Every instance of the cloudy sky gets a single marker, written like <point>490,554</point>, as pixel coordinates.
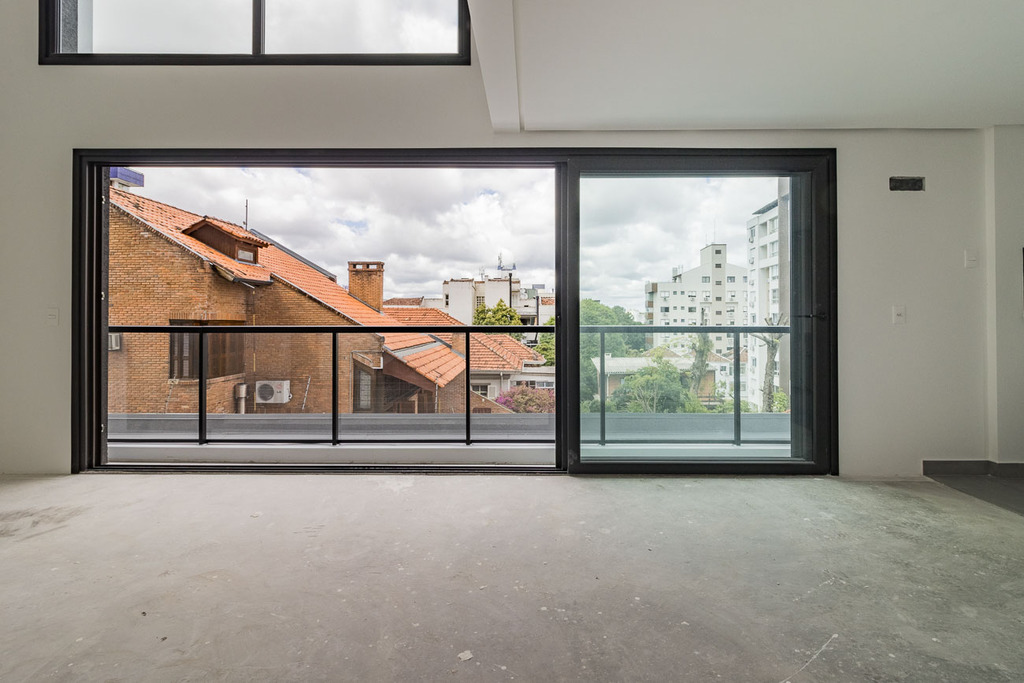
<point>431,224</point>
<point>225,26</point>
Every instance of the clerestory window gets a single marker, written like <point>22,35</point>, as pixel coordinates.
<point>370,32</point>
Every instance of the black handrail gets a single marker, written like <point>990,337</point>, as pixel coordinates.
<point>201,331</point>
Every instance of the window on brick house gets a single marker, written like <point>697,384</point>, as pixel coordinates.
<point>224,351</point>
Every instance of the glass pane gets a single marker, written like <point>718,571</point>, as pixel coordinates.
<point>157,26</point>
<point>689,263</point>
<point>360,27</point>
<point>513,387</point>
<point>452,245</point>
<point>143,401</point>
<point>269,387</point>
<point>401,387</point>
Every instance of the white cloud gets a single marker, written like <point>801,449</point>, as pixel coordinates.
<point>432,224</point>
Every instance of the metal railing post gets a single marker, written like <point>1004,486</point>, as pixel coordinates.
<point>334,388</point>
<point>737,423</point>
<point>469,406</point>
<point>203,360</point>
<point>603,389</point>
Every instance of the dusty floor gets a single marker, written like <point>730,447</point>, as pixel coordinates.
<point>548,578</point>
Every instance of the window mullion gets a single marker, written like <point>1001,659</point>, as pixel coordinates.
<point>259,16</point>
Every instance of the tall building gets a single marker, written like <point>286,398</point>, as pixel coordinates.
<point>768,288</point>
<point>714,293</point>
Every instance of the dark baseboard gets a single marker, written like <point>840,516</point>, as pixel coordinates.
<point>952,468</point>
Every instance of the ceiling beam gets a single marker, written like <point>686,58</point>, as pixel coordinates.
<point>494,33</point>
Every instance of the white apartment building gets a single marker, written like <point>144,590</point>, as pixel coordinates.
<point>768,288</point>
<point>714,293</point>
<point>462,296</point>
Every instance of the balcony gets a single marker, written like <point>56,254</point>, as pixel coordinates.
<point>336,394</point>
<point>649,405</point>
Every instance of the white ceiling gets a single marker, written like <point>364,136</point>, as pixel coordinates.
<point>745,64</point>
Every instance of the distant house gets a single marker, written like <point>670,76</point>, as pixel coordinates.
<point>617,369</point>
<point>497,361</point>
<point>171,266</point>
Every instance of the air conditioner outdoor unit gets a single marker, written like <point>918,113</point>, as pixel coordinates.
<point>273,391</point>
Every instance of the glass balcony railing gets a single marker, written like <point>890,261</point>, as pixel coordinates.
<point>684,385</point>
<point>328,385</point>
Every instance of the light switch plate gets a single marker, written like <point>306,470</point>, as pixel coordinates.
<point>899,314</point>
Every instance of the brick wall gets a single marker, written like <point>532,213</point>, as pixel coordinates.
<point>153,281</point>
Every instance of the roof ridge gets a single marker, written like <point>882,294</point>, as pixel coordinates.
<point>178,208</point>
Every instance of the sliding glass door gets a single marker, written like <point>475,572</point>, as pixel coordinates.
<point>580,310</point>
<point>703,328</point>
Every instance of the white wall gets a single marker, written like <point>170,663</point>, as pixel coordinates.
<point>906,393</point>
<point>1004,239</point>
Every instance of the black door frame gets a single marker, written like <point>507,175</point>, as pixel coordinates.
<point>816,169</point>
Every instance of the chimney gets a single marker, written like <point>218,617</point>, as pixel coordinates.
<point>366,282</point>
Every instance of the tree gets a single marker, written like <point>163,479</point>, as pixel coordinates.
<point>523,399</point>
<point>701,346</point>
<point>659,388</point>
<point>546,344</point>
<point>772,340</point>
<point>780,402</point>
<point>500,314</point>
<point>727,406</point>
<point>593,312</point>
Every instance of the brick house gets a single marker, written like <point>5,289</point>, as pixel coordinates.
<point>171,266</point>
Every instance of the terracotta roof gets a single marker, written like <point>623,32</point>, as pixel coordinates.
<point>500,352</point>
<point>294,272</point>
<point>486,351</point>
<point>399,341</point>
<point>437,361</point>
<point>172,222</point>
<point>169,221</point>
<point>419,316</point>
<point>404,301</point>
<point>229,228</point>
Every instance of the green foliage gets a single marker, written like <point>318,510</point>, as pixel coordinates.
<point>546,345</point>
<point>701,346</point>
<point>780,402</point>
<point>727,405</point>
<point>500,314</point>
<point>593,312</point>
<point>523,399</point>
<point>657,389</point>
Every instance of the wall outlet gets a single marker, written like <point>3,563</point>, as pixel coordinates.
<point>51,317</point>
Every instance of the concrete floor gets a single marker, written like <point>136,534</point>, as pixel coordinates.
<point>493,578</point>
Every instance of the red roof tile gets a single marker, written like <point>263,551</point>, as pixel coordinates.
<point>169,221</point>
<point>420,316</point>
<point>438,363</point>
<point>235,231</point>
<point>404,301</point>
